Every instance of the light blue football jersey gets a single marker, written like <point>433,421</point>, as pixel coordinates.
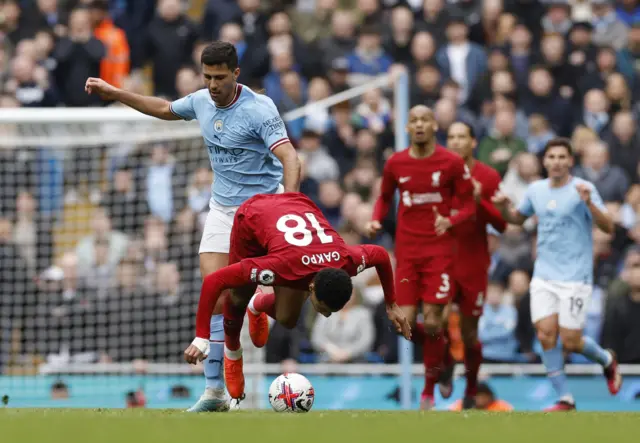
<point>240,139</point>
<point>565,224</point>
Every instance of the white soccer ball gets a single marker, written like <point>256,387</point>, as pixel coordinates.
<point>291,392</point>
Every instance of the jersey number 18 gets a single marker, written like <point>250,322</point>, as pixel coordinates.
<point>299,235</point>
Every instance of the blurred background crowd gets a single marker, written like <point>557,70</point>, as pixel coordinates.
<point>98,251</point>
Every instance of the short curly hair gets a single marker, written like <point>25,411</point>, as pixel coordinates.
<point>333,287</point>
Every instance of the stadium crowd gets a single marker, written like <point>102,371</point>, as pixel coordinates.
<point>518,71</point>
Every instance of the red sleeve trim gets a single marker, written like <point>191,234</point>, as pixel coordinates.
<point>280,142</point>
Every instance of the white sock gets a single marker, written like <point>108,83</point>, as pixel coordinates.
<point>214,393</point>
<point>568,398</point>
<point>251,308</point>
<point>232,355</point>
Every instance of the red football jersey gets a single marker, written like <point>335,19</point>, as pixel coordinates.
<point>284,241</point>
<point>424,184</point>
<point>471,246</point>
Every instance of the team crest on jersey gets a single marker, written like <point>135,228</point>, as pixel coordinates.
<point>266,277</point>
<point>435,179</point>
<point>552,204</point>
<point>217,125</point>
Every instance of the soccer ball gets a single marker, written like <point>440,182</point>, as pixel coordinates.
<point>291,393</point>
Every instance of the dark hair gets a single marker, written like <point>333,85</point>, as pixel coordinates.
<point>472,132</point>
<point>333,287</point>
<point>220,53</point>
<point>558,142</point>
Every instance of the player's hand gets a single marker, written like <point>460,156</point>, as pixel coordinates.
<point>500,200</point>
<point>372,228</point>
<point>442,224</point>
<point>100,87</point>
<point>585,192</point>
<point>477,190</point>
<point>399,320</point>
<point>197,351</point>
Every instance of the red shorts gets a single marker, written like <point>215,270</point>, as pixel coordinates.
<point>469,293</point>
<point>426,280</point>
<point>243,243</point>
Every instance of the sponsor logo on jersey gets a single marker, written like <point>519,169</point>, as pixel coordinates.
<point>266,277</point>
<point>218,125</point>
<point>404,179</point>
<point>435,179</point>
<point>409,199</point>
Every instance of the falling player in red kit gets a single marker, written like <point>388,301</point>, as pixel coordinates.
<point>428,177</point>
<point>283,240</point>
<point>471,258</point>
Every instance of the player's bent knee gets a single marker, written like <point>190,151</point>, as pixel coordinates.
<point>547,337</point>
<point>571,341</point>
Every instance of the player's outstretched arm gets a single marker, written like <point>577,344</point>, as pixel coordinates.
<point>212,286</point>
<point>383,203</point>
<point>487,209</point>
<point>592,199</point>
<point>509,213</point>
<point>378,257</point>
<point>153,106</point>
<point>291,166</point>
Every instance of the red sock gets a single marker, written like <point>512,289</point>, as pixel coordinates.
<point>433,355</point>
<point>265,302</point>
<point>417,334</point>
<point>472,361</point>
<point>233,319</point>
<point>447,359</point>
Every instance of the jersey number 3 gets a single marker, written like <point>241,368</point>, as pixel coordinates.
<point>298,234</point>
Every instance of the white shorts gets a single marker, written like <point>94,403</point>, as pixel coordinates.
<point>216,233</point>
<point>570,300</point>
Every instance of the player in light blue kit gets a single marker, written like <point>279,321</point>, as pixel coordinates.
<point>250,154</point>
<point>566,208</point>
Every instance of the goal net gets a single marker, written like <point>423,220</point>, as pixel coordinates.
<point>100,218</point>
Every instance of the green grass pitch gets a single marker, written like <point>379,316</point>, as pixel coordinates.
<point>157,426</point>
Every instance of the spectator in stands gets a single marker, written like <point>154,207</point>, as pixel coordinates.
<point>32,234</point>
<point>605,65</point>
<point>611,181</point>
<point>524,169</point>
<point>540,133</point>
<point>188,81</point>
<point>253,57</point>
<point>368,59</point>
<point>397,42</point>
<point>434,19</point>
<point>313,22</point>
<point>541,99</point>
<point>59,390</point>
<point>581,50</point>
<point>374,113</point>
<point>124,203</point>
<point>461,60</point>
<point>279,25</point>
<point>329,198</point>
<point>115,242</point>
<point>346,336</point>
<point>496,329</point>
<point>445,114</point>
<point>342,40</point>
<point>557,19</point>
<point>623,144</point>
<point>169,42</point>
<point>553,56</point>
<point>116,63</point>
<point>340,137</point>
<point>320,166</point>
<point>521,55</point>
<point>31,84</point>
<point>608,29</point>
<point>184,242</point>
<point>618,93</point>
<point>78,57</point>
<point>163,183</point>
<point>423,51</point>
<point>426,86</point>
<point>498,148</point>
<point>621,330</point>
